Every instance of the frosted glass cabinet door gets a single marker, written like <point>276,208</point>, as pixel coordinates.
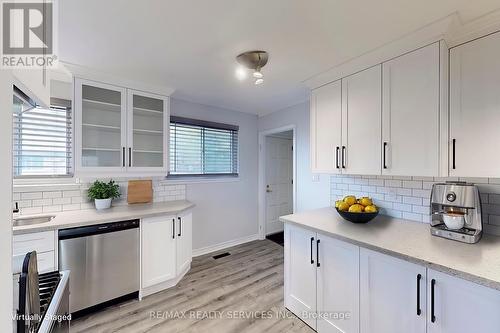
<point>100,122</point>
<point>147,131</point>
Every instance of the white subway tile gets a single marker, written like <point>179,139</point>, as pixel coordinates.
<point>412,216</point>
<point>31,210</point>
<point>61,201</point>
<point>376,182</point>
<point>41,202</point>
<point>429,179</point>
<point>427,185</point>
<point>394,213</point>
<point>402,207</point>
<point>474,180</point>
<point>72,207</point>
<point>421,209</point>
<point>494,180</point>
<point>392,198</point>
<point>412,200</point>
<point>50,209</point>
<point>361,181</point>
<point>31,195</point>
<point>421,193</point>
<point>352,187</point>
<point>348,180</point>
<point>368,189</point>
<point>52,194</point>
<point>412,184</point>
<point>494,219</point>
<point>492,199</point>
<point>16,196</point>
<point>392,183</point>
<point>76,200</point>
<point>384,204</point>
<point>404,191</point>
<point>489,188</point>
<point>24,203</point>
<point>74,193</point>
<point>377,196</point>
<point>87,205</point>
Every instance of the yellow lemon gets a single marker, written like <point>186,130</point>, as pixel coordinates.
<point>350,200</point>
<point>337,203</point>
<point>371,209</point>
<point>356,208</point>
<point>343,206</point>
<point>365,201</point>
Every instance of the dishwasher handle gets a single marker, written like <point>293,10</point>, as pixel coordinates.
<point>97,229</point>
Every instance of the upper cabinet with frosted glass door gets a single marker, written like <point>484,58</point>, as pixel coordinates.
<point>119,131</point>
<point>147,132</point>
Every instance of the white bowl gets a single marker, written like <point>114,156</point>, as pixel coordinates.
<point>454,221</point>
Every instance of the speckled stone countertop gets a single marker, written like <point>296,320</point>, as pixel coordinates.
<point>80,218</point>
<point>411,241</point>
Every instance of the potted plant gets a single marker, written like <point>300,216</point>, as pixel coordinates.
<point>102,193</point>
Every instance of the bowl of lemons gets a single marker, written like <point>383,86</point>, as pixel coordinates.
<point>356,210</point>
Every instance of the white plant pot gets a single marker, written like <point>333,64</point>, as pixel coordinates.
<point>102,203</point>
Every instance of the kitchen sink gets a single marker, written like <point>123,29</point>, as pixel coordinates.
<point>21,221</point>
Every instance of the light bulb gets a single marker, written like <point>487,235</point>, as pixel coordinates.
<point>259,81</point>
<point>241,73</point>
<point>258,75</point>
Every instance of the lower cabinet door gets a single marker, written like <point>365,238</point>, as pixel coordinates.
<point>338,286</point>
<point>158,244</point>
<point>392,294</point>
<point>459,306</point>
<point>184,233</point>
<point>300,273</point>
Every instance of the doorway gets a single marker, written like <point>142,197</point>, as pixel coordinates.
<point>277,185</point>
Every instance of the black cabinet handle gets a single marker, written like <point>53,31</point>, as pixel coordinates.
<point>312,241</point>
<point>129,156</point>
<point>419,311</point>
<point>317,253</point>
<point>343,157</point>
<point>433,317</point>
<point>123,156</point>
<point>173,228</point>
<point>384,153</point>
<point>454,142</point>
<point>337,157</point>
<point>180,227</point>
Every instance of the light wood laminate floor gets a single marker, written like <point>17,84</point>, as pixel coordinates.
<point>240,293</point>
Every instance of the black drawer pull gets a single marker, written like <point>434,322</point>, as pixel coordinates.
<point>180,227</point>
<point>173,228</point>
<point>337,150</point>
<point>454,142</point>
<point>385,148</point>
<point>433,316</point>
<point>419,311</point>
<point>312,241</point>
<point>317,253</point>
<point>343,157</point>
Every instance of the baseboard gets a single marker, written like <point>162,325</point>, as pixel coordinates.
<point>224,245</point>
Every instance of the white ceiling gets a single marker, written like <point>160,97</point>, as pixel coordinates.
<point>190,45</point>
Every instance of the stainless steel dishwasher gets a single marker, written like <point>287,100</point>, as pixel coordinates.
<point>104,263</point>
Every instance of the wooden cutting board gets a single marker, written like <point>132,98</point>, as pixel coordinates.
<point>140,191</point>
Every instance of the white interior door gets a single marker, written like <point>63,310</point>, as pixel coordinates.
<point>279,177</point>
<point>475,108</point>
<point>410,130</point>
<point>338,286</point>
<point>326,127</point>
<point>392,292</point>
<point>362,122</point>
<point>300,273</point>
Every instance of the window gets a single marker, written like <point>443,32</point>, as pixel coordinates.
<point>42,140</point>
<point>201,148</point>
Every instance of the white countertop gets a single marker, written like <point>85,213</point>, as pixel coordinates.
<point>78,218</point>
<point>411,241</point>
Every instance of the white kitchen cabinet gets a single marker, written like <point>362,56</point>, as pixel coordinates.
<point>337,286</point>
<point>411,113</point>
<point>361,122</point>
<point>184,241</point>
<point>158,250</point>
<point>119,131</point>
<point>326,127</point>
<point>300,273</point>
<point>475,108</point>
<point>460,306</point>
<point>392,293</point>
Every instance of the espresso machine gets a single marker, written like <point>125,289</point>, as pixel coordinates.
<point>456,212</point>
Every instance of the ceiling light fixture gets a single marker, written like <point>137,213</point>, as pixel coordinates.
<point>253,60</point>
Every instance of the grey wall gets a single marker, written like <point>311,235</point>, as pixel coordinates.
<point>225,211</point>
<point>310,194</point>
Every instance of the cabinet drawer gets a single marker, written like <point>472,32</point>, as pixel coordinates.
<point>38,241</point>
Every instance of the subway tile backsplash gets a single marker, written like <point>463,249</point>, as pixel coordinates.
<point>409,197</point>
<point>74,196</point>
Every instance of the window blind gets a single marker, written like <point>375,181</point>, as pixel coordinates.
<point>201,148</point>
<point>42,140</point>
